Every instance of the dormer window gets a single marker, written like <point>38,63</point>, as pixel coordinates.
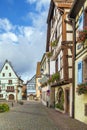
<point>6,67</point>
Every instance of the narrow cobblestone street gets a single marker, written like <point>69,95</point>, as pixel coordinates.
<point>35,116</point>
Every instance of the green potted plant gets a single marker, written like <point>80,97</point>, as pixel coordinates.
<point>54,43</point>
<point>55,77</point>
<point>82,88</point>
<point>49,54</point>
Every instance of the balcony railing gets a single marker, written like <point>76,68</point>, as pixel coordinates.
<point>9,90</point>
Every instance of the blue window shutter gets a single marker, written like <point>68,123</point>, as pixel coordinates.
<point>80,75</point>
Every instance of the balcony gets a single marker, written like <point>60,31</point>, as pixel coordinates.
<point>9,90</point>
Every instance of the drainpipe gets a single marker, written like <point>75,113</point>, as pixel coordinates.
<point>49,77</point>
<point>74,55</point>
<point>73,66</point>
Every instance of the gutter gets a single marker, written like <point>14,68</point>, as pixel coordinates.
<point>73,66</point>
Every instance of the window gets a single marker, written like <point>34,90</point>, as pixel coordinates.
<point>3,74</point>
<point>9,74</point>
<point>56,65</point>
<point>9,81</point>
<point>56,34</point>
<point>1,95</point>
<point>10,87</point>
<point>58,62</point>
<point>6,67</point>
<point>81,22</point>
<point>80,75</point>
<point>85,69</point>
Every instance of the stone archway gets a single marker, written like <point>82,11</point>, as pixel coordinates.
<point>60,99</point>
<point>11,97</point>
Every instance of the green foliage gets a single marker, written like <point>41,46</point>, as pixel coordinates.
<point>60,99</point>
<point>49,54</point>
<point>54,43</point>
<point>82,88</point>
<point>4,107</point>
<point>59,106</point>
<point>55,77</point>
<point>49,81</point>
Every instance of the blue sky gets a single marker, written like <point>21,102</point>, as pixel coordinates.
<point>23,34</point>
<point>16,11</point>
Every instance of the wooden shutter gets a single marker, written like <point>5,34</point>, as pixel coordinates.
<point>80,75</point>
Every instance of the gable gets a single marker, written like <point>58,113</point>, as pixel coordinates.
<point>32,80</point>
<point>7,69</point>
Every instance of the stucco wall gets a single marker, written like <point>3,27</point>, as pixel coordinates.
<point>80,100</point>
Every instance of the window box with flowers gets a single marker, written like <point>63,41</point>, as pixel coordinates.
<point>54,43</point>
<point>49,54</point>
<point>82,37</point>
<point>54,78</point>
<point>81,89</point>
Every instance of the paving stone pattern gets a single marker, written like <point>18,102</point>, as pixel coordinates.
<point>35,116</point>
<point>30,116</point>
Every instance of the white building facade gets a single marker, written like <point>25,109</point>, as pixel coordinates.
<point>10,83</point>
<point>31,88</point>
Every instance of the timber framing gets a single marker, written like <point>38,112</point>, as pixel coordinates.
<point>63,6</point>
<point>61,82</point>
<point>76,8</point>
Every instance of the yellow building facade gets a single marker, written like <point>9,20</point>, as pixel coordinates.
<point>78,15</point>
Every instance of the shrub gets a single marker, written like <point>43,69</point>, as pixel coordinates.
<point>4,107</point>
<point>60,106</point>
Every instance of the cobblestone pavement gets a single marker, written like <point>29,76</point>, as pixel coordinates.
<point>30,116</point>
<point>35,116</point>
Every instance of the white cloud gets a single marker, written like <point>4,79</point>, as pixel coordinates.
<point>5,25</point>
<point>27,52</point>
<point>24,45</point>
<point>31,1</point>
<point>9,36</point>
<point>40,4</point>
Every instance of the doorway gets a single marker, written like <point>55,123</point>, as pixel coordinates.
<point>11,97</point>
<point>67,101</point>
